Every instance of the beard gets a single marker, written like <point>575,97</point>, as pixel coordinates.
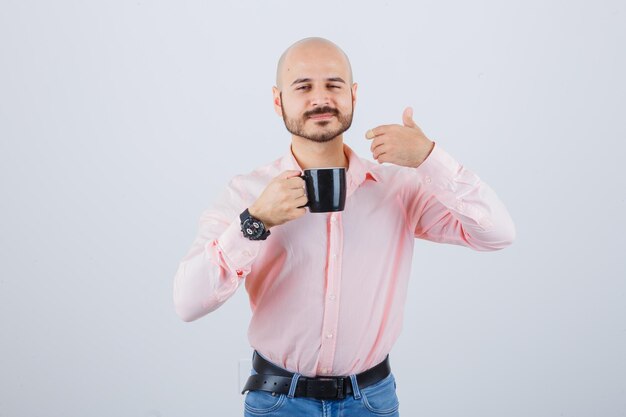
<point>295,126</point>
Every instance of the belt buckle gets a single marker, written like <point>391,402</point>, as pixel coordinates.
<point>331,389</point>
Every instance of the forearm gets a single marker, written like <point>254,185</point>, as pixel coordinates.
<point>212,270</point>
<point>459,207</point>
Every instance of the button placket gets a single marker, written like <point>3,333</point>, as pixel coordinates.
<point>331,305</point>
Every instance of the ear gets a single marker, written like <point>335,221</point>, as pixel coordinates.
<point>354,87</point>
<point>278,105</point>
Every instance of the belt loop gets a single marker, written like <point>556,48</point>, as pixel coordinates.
<point>294,384</point>
<point>355,387</point>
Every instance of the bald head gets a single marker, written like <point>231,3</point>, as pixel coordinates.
<point>309,50</point>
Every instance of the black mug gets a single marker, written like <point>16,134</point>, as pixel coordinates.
<point>325,189</point>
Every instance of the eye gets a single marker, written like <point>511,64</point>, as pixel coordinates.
<point>303,87</point>
<point>334,86</point>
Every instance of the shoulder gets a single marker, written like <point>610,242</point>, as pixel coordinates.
<point>253,182</point>
<point>242,190</point>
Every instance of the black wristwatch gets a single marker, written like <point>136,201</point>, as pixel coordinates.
<point>252,228</point>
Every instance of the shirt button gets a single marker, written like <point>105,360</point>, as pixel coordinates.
<point>329,336</point>
<point>325,370</point>
<point>333,218</point>
<point>428,180</point>
<point>247,253</point>
<point>332,297</point>
<point>334,256</point>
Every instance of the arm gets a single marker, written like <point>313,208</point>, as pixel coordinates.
<point>444,201</point>
<point>218,260</point>
<point>220,256</point>
<point>452,205</point>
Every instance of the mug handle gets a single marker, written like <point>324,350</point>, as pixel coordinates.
<point>305,190</point>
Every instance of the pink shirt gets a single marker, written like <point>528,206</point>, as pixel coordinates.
<point>327,290</point>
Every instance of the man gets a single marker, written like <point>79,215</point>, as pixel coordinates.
<point>327,290</point>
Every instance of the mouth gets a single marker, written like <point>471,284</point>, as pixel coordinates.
<point>323,116</point>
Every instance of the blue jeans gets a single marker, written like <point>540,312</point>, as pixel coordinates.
<point>379,399</point>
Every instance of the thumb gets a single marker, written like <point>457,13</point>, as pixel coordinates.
<point>407,117</point>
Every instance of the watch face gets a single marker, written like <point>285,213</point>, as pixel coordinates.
<point>253,228</point>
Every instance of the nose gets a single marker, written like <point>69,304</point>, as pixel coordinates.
<point>319,97</point>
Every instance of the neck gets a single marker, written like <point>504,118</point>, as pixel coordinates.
<point>310,154</point>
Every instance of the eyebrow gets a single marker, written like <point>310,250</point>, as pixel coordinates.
<point>308,80</point>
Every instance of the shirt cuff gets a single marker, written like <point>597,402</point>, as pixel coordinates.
<point>238,251</point>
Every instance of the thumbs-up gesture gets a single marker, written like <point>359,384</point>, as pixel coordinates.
<point>404,144</point>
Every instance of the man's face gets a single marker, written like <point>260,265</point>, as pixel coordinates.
<point>317,96</point>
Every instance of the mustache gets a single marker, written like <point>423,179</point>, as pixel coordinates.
<point>321,110</point>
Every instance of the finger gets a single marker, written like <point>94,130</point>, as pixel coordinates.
<point>407,117</point>
<point>377,131</point>
<point>381,150</point>
<point>377,142</point>
<point>295,182</point>
<point>381,159</point>
<point>289,174</point>
<point>378,155</point>
<point>302,200</point>
<point>384,157</point>
<point>297,192</point>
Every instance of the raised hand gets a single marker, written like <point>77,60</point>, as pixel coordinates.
<point>404,145</point>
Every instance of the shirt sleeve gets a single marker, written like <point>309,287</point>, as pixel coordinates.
<point>453,205</point>
<point>219,259</point>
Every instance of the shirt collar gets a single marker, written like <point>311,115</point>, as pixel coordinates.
<point>356,173</point>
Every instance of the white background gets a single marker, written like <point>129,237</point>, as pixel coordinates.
<point>120,121</point>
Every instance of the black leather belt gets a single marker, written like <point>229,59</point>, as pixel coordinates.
<point>275,379</point>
